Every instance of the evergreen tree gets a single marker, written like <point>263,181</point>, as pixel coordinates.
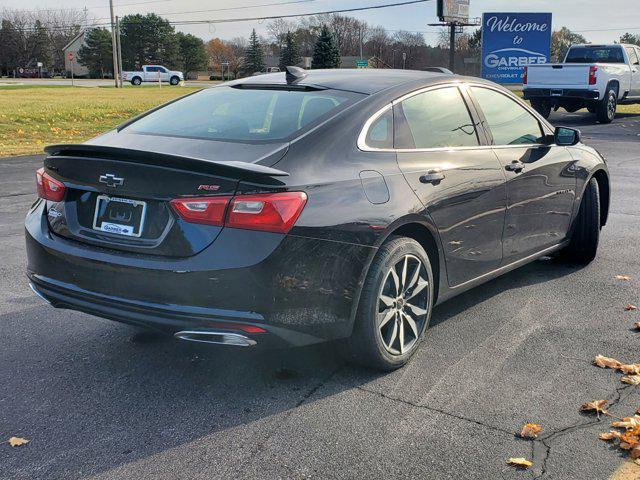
<point>254,57</point>
<point>289,55</point>
<point>325,52</point>
<point>96,53</point>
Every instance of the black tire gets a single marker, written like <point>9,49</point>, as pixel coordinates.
<point>136,81</point>
<point>174,81</point>
<point>542,107</point>
<point>584,240</point>
<point>376,343</point>
<point>606,109</point>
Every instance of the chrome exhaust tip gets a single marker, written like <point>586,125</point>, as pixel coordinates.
<point>37,292</point>
<point>218,337</point>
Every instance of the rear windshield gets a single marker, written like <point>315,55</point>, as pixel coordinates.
<point>234,114</point>
<point>594,55</point>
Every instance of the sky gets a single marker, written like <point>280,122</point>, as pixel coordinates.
<point>588,17</point>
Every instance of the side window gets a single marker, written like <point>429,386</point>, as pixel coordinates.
<point>152,69</point>
<point>380,133</point>
<point>162,69</point>
<point>433,119</point>
<point>510,123</point>
<point>633,57</point>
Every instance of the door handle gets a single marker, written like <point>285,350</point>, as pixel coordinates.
<point>433,176</point>
<point>515,166</point>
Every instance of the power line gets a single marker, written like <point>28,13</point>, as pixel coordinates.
<point>295,15</point>
<point>274,17</point>
<point>226,9</point>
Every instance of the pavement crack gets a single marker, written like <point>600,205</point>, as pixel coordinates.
<point>260,446</point>
<point>438,410</point>
<point>543,445</point>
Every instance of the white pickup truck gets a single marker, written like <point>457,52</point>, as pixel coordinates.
<point>598,77</point>
<point>153,73</point>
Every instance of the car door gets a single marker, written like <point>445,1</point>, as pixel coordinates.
<point>634,63</point>
<point>164,74</point>
<point>541,182</point>
<point>460,183</point>
<point>150,74</point>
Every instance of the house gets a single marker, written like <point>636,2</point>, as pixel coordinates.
<point>73,47</point>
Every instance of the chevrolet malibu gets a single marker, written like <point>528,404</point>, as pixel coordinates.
<point>301,207</point>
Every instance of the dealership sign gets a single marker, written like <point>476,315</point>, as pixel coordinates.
<point>510,41</point>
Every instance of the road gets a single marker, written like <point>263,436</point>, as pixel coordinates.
<point>102,400</point>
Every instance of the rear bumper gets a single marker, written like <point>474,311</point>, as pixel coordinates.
<point>560,93</point>
<point>300,290</point>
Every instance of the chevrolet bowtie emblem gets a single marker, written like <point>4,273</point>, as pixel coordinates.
<point>111,180</point>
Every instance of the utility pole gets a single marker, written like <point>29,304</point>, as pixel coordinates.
<point>452,46</point>
<point>114,47</point>
<point>453,24</point>
<point>119,51</point>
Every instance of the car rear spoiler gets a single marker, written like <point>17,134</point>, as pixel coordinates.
<point>230,168</point>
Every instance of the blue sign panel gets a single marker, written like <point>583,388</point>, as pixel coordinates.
<point>510,41</point>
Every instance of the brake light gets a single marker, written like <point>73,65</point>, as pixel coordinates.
<point>268,212</point>
<point>592,75</point>
<point>207,210</point>
<point>524,76</point>
<point>48,187</point>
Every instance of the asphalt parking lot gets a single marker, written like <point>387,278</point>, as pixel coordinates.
<point>102,400</point>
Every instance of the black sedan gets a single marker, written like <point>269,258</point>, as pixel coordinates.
<point>300,207</point>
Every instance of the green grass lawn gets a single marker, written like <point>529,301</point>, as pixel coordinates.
<point>32,117</point>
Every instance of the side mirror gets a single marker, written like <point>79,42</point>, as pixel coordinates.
<point>566,136</point>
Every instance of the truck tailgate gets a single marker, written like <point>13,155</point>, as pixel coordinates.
<point>565,74</point>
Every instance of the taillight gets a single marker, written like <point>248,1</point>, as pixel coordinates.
<point>268,212</point>
<point>207,210</point>
<point>524,76</point>
<point>592,75</point>
<point>48,187</point>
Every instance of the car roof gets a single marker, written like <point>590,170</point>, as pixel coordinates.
<point>360,80</point>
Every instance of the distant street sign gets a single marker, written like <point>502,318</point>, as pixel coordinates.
<point>362,63</point>
<point>70,56</point>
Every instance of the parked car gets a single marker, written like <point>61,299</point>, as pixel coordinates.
<point>153,73</point>
<point>301,207</point>
<point>598,77</point>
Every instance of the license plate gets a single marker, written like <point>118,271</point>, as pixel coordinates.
<point>121,216</point>
<point>556,93</point>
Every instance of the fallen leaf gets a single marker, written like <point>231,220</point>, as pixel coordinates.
<point>520,462</point>
<point>623,277</point>
<point>631,369</point>
<point>17,441</point>
<point>636,325</point>
<point>635,452</point>
<point>637,461</point>
<point>631,379</point>
<point>638,410</point>
<point>606,362</point>
<point>609,435</point>
<point>629,423</point>
<point>595,406</point>
<point>630,307</point>
<point>530,430</point>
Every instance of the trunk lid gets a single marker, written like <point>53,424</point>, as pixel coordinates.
<point>119,197</point>
<point>558,74</point>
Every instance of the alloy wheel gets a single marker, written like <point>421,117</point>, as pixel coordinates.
<point>403,305</point>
